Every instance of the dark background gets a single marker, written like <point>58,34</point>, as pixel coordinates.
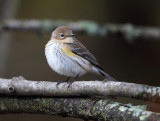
<point>136,62</point>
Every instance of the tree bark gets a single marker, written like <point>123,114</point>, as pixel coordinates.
<point>21,86</point>
<point>87,109</point>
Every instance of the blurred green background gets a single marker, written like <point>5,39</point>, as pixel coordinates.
<point>22,53</point>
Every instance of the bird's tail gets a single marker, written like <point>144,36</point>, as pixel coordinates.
<point>108,77</point>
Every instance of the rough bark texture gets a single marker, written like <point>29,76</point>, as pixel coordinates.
<point>87,109</point>
<point>21,86</point>
<point>128,31</point>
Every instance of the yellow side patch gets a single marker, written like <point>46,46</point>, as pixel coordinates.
<point>67,51</point>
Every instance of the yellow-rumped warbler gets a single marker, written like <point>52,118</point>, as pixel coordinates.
<point>67,56</point>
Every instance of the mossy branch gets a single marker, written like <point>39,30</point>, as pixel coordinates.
<point>87,109</point>
<point>21,86</point>
<point>128,31</point>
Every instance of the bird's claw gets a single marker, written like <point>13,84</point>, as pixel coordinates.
<point>70,83</point>
<point>105,80</point>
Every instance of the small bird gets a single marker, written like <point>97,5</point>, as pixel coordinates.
<point>69,57</point>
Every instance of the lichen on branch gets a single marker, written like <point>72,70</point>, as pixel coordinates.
<point>87,109</point>
<point>21,86</point>
<point>92,28</point>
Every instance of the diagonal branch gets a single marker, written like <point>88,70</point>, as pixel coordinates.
<point>87,109</point>
<point>21,86</point>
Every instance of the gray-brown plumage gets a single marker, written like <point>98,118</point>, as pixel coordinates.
<point>79,49</point>
<point>69,57</point>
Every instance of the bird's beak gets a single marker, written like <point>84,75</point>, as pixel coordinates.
<point>70,35</point>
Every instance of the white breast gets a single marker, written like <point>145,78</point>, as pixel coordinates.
<point>63,64</point>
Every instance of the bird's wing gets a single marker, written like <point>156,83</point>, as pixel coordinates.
<point>80,50</point>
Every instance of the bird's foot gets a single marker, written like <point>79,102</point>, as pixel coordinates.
<point>70,83</point>
<point>105,80</point>
<point>61,81</point>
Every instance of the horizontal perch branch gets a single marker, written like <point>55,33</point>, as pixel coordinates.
<point>128,31</point>
<point>87,109</point>
<point>21,86</point>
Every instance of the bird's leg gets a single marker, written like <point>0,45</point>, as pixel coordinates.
<point>68,78</point>
<point>73,80</point>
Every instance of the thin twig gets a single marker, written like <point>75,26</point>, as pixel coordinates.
<point>128,31</point>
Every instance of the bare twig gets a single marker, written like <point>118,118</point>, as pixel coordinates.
<point>87,109</point>
<point>21,86</point>
<point>128,31</point>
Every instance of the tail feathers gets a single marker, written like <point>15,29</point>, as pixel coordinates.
<point>108,77</point>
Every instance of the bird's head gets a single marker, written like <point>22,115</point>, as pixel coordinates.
<point>62,34</point>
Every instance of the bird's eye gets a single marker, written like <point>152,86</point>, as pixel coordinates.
<point>62,35</point>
